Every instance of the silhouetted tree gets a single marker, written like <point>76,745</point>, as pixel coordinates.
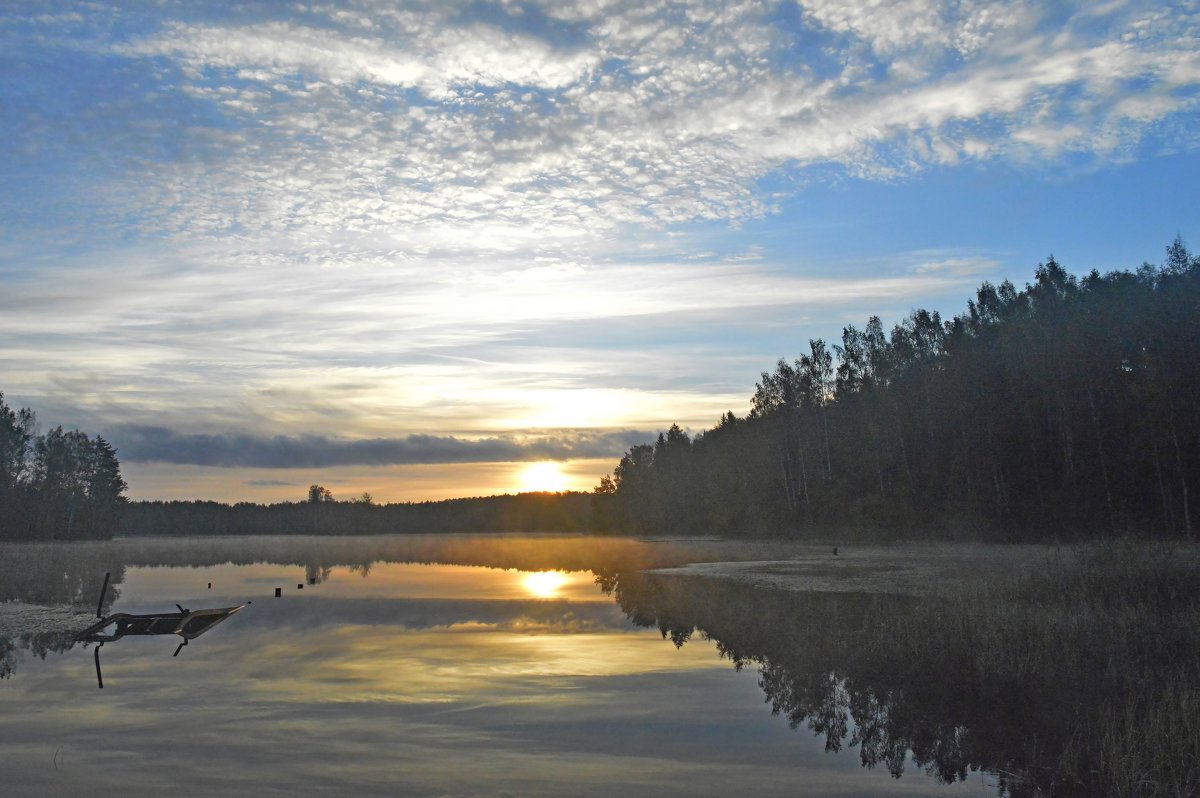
<point>57,486</point>
<point>318,494</point>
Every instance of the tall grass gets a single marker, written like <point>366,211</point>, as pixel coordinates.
<point>1107,637</point>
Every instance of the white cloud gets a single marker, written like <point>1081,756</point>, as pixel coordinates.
<point>963,266</point>
<point>435,60</point>
<point>889,26</point>
<point>450,130</point>
<point>375,347</point>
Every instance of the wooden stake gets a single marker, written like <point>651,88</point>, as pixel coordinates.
<point>103,590</point>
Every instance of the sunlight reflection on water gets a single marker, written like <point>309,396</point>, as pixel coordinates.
<point>374,580</point>
<point>411,678</point>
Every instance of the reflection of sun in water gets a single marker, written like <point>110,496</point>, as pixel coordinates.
<point>544,584</point>
<point>544,476</point>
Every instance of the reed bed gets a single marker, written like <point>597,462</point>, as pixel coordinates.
<point>1106,636</point>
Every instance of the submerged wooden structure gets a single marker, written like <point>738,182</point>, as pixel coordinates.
<point>187,624</point>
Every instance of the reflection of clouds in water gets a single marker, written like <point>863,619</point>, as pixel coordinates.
<point>29,568</point>
<point>317,615</point>
<point>413,580</point>
<point>382,580</point>
<point>351,684</point>
<point>424,711</point>
<point>470,663</point>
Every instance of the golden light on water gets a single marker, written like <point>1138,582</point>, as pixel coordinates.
<point>545,584</point>
<point>543,476</point>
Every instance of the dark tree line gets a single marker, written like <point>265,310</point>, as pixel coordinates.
<point>322,514</point>
<point>1072,404</point>
<point>56,486</point>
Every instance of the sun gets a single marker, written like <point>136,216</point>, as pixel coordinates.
<point>544,584</point>
<point>544,476</point>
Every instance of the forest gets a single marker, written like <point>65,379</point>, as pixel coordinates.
<point>322,514</point>
<point>56,486</point>
<point>1069,407</point>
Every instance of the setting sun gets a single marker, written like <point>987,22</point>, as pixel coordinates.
<point>545,584</point>
<point>544,476</point>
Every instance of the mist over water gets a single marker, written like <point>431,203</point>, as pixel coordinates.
<point>480,665</point>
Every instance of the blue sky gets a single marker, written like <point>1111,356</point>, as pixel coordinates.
<point>411,248</point>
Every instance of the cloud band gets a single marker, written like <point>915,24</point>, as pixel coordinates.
<point>235,450</point>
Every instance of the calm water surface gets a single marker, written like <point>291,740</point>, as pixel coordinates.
<point>434,666</point>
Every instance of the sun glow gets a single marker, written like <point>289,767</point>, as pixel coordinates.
<point>545,584</point>
<point>544,476</point>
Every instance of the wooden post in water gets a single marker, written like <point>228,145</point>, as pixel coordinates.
<point>278,592</point>
<point>100,603</point>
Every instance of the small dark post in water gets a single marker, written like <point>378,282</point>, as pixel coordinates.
<point>99,678</point>
<point>835,551</point>
<point>299,585</point>
<point>100,603</point>
<point>210,585</point>
<point>278,592</point>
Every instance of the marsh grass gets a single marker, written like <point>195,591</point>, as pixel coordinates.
<point>1106,638</point>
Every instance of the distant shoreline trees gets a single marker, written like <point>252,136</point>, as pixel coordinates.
<point>1069,406</point>
<point>57,486</point>
<point>321,514</point>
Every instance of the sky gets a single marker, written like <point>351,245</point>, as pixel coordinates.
<point>417,249</point>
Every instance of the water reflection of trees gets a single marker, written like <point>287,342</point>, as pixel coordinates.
<point>872,672</point>
<point>40,644</point>
<point>28,571</point>
<point>71,574</point>
<point>61,575</point>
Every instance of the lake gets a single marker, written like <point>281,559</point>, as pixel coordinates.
<point>471,665</point>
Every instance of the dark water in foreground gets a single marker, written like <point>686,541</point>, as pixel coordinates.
<point>446,666</point>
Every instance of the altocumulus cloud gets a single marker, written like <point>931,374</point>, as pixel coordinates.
<point>157,444</point>
<point>476,126</point>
